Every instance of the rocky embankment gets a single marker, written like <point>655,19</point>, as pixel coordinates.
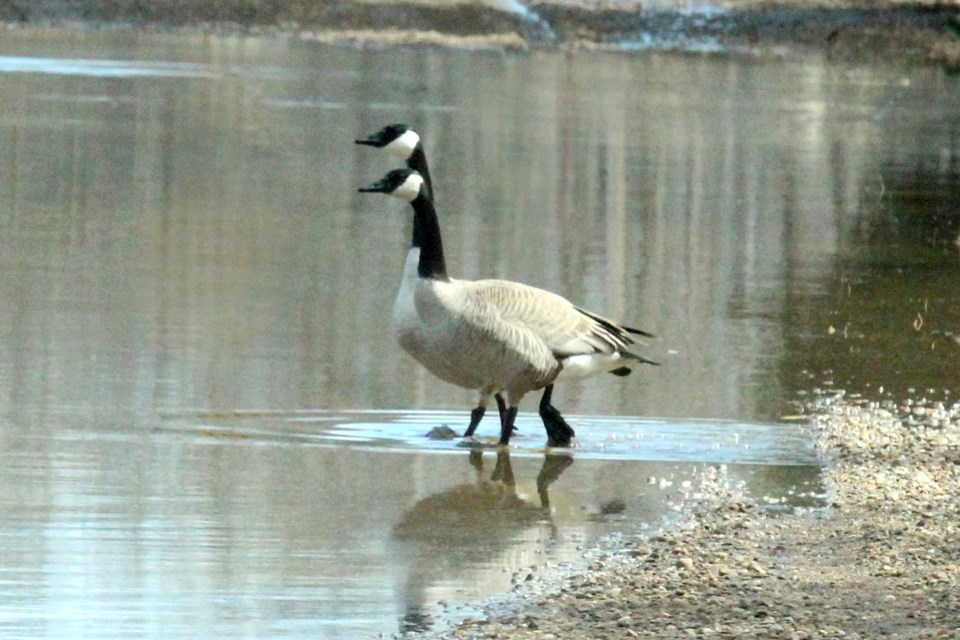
<point>916,32</point>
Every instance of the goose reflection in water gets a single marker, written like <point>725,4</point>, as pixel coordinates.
<point>467,526</point>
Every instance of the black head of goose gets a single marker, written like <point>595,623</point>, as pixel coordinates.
<point>497,335</point>
<point>404,143</point>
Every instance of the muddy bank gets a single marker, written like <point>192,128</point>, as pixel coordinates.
<point>883,560</point>
<point>911,31</point>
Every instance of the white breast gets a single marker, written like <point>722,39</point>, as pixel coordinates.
<point>405,318</point>
<point>423,326</point>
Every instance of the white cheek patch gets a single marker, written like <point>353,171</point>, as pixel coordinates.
<point>404,145</point>
<point>410,188</point>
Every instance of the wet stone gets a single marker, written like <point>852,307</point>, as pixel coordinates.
<point>442,432</point>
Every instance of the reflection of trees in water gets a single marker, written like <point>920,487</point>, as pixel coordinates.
<point>910,193</point>
<point>466,525</point>
<point>920,204</point>
<point>884,321</point>
<point>887,329</point>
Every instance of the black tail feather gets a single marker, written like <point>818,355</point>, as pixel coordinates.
<point>614,328</point>
<point>628,354</point>
<point>639,332</point>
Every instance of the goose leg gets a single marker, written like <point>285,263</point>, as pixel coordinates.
<point>559,432</point>
<point>481,409</point>
<point>475,417</point>
<point>502,406</point>
<point>506,428</point>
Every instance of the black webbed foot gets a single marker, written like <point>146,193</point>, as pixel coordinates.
<point>559,433</point>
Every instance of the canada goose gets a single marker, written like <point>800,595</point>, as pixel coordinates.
<point>404,143</point>
<point>495,334</point>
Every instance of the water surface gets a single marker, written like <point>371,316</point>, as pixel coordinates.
<point>207,429</point>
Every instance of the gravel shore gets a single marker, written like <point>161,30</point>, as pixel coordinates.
<point>882,560</point>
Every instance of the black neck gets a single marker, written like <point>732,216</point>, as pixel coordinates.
<point>418,162</point>
<point>426,236</point>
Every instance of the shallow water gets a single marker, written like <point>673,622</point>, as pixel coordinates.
<point>207,429</point>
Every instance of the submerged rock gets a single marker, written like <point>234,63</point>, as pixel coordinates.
<point>443,432</point>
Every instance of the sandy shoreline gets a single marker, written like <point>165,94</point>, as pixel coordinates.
<point>883,560</point>
<point>913,32</point>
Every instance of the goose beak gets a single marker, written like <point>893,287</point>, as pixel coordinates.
<point>380,139</point>
<point>379,186</point>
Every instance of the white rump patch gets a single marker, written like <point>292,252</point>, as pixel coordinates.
<point>404,144</point>
<point>589,365</point>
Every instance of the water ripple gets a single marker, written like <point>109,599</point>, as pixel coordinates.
<point>104,68</point>
<point>598,437</point>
